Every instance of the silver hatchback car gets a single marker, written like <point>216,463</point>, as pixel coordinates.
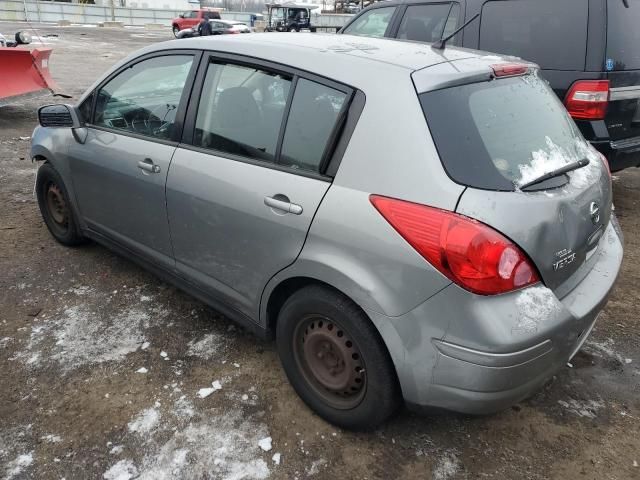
<point>409,223</point>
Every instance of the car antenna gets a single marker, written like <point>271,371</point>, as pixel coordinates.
<point>440,44</point>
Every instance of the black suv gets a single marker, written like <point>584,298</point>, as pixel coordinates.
<point>588,50</point>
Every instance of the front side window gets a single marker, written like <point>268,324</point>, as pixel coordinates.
<point>428,22</point>
<point>144,98</point>
<point>373,23</point>
<point>241,110</point>
<point>551,33</point>
<point>315,110</point>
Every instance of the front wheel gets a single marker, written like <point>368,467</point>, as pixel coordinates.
<point>55,207</point>
<point>175,31</point>
<point>336,360</point>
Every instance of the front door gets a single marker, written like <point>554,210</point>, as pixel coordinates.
<point>119,173</point>
<point>242,196</point>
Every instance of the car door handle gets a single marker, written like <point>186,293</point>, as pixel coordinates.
<point>148,166</point>
<point>283,205</point>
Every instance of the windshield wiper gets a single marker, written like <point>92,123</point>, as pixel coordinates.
<point>556,173</point>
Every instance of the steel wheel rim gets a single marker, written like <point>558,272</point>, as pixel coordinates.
<point>57,206</point>
<point>330,361</point>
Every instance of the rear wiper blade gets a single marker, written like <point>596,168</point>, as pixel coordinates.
<point>556,173</point>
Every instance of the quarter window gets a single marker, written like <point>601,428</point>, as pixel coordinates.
<point>241,110</point>
<point>373,23</point>
<point>314,113</point>
<point>144,98</point>
<point>429,22</point>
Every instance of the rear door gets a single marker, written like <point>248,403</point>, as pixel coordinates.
<point>497,135</point>
<point>623,66</point>
<point>244,187</point>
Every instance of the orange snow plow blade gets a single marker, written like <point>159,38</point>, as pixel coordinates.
<point>24,72</point>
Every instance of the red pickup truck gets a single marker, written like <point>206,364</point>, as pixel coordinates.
<point>191,18</point>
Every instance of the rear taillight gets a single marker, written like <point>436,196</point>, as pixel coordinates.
<point>588,99</point>
<point>468,252</point>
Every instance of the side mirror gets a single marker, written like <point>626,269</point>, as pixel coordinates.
<point>181,15</point>
<point>23,38</point>
<point>63,116</point>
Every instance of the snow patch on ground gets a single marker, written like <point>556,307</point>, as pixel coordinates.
<point>51,438</point>
<point>604,349</point>
<point>536,305</point>
<point>588,408</point>
<point>446,467</point>
<point>17,466</point>
<point>84,334</point>
<point>315,467</point>
<point>206,347</point>
<point>222,445</point>
<point>123,470</point>
<point>145,421</point>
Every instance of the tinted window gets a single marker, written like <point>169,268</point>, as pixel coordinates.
<point>426,23</point>
<point>241,110</point>
<point>552,33</point>
<point>144,98</point>
<point>501,133</point>
<point>314,111</point>
<point>623,34</point>
<point>372,23</point>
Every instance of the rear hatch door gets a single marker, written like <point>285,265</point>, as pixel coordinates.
<point>497,135</point>
<point>623,68</point>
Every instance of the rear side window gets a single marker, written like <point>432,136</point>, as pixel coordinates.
<point>241,110</point>
<point>314,114</point>
<point>499,134</point>
<point>551,33</point>
<point>373,23</point>
<point>428,22</point>
<point>623,34</point>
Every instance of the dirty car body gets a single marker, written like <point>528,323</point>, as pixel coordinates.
<point>477,286</point>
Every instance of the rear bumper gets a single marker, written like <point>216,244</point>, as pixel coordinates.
<point>621,154</point>
<point>496,351</point>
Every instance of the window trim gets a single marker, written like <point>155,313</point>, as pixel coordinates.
<point>182,105</point>
<point>332,154</point>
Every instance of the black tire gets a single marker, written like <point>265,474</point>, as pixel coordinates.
<point>175,30</point>
<point>52,193</point>
<point>379,395</point>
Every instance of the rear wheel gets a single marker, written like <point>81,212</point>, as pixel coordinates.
<point>175,31</point>
<point>335,359</point>
<point>55,207</point>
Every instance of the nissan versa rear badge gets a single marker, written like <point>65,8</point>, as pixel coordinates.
<point>565,257</point>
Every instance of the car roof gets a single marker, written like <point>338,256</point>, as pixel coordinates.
<point>317,52</point>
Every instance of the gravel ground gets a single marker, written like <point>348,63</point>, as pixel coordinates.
<point>103,366</point>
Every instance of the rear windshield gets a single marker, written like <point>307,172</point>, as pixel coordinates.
<point>623,35</point>
<point>500,134</point>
